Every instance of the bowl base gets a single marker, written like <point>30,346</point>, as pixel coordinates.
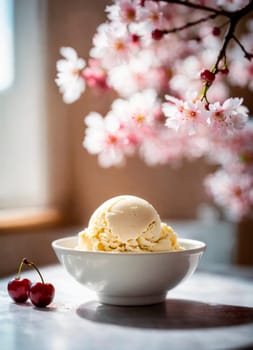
<point>131,300</point>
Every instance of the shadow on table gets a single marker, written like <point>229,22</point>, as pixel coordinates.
<point>172,314</point>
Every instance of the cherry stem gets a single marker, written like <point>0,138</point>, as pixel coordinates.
<point>20,268</point>
<point>30,263</point>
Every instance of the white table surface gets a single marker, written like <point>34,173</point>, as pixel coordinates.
<point>209,311</point>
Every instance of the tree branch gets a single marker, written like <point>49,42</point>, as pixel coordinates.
<point>247,54</point>
<point>198,7</point>
<point>191,24</point>
<point>234,17</point>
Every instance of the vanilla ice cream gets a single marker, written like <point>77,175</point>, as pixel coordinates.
<point>127,224</point>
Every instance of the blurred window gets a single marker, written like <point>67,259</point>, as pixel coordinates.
<point>6,44</point>
<point>23,140</point>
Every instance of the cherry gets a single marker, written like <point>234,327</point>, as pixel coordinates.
<point>18,289</point>
<point>207,76</point>
<point>42,294</point>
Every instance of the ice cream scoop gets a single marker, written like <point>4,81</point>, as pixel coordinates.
<point>127,224</point>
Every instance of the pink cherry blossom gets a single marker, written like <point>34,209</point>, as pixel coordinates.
<point>156,15</point>
<point>103,137</point>
<point>163,111</point>
<point>228,117</point>
<point>233,192</point>
<point>166,146</point>
<point>232,5</point>
<point>138,74</point>
<point>190,115</point>
<point>139,109</point>
<point>240,146</point>
<point>123,11</point>
<point>241,75</point>
<point>235,151</point>
<point>69,77</point>
<point>112,44</point>
<point>95,75</point>
<point>121,131</point>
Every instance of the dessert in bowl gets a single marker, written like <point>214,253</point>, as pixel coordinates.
<point>126,255</point>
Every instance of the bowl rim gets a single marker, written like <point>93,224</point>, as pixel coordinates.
<point>57,245</point>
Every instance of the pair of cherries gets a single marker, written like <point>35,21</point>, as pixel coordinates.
<point>41,294</point>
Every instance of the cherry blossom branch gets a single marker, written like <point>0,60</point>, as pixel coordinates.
<point>190,24</point>
<point>233,20</point>
<point>234,17</point>
<point>197,6</point>
<point>247,54</point>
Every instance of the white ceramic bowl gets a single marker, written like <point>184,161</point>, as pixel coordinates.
<point>129,278</point>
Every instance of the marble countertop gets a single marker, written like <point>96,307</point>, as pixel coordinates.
<point>211,310</point>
